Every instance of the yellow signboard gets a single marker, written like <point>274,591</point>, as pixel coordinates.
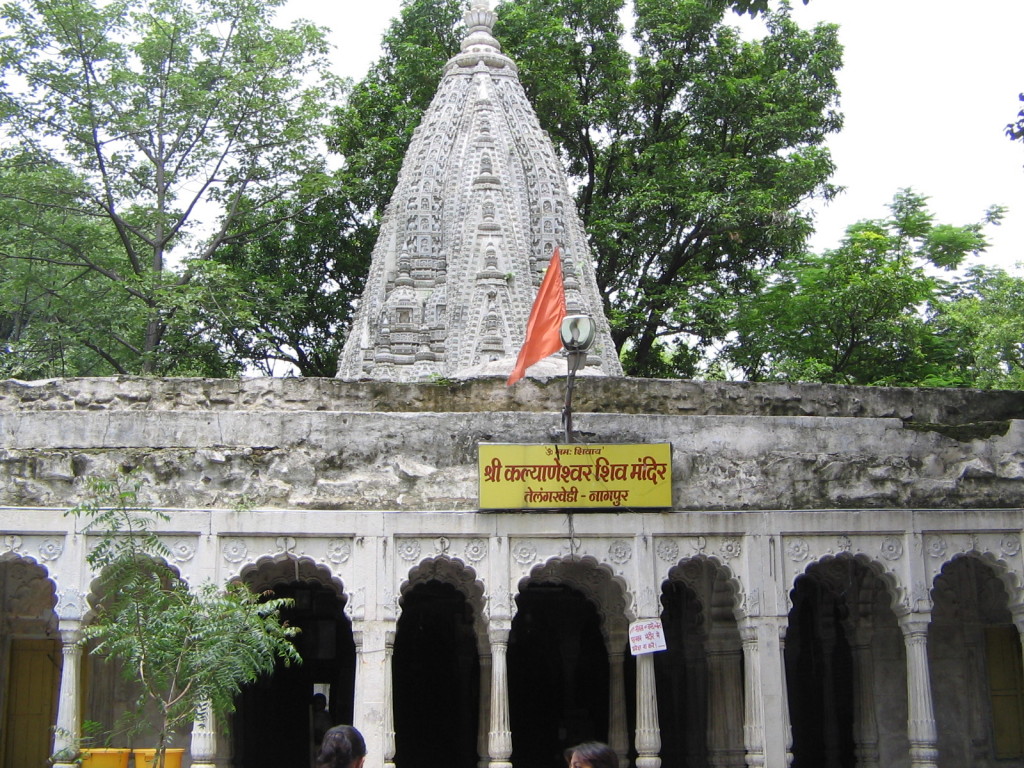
<point>554,476</point>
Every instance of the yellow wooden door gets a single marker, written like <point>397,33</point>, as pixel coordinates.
<point>1006,686</point>
<point>31,703</point>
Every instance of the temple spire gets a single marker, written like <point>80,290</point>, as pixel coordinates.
<point>480,205</point>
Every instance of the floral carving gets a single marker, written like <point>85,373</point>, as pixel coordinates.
<point>730,548</point>
<point>339,551</point>
<point>409,549</point>
<point>235,551</point>
<point>51,548</point>
<point>620,551</point>
<point>524,553</point>
<point>476,550</point>
<point>936,547</point>
<point>1009,545</point>
<point>182,550</point>
<point>668,550</point>
<point>797,549</point>
<point>12,543</point>
<point>891,548</point>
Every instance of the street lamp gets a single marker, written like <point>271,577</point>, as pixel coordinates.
<point>577,332</point>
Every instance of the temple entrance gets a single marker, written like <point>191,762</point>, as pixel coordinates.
<point>700,676</point>
<point>274,724</point>
<point>30,663</point>
<point>567,675</point>
<point>845,669</point>
<point>975,657</point>
<point>436,674</point>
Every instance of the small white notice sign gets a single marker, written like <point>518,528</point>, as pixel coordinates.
<point>646,636</point>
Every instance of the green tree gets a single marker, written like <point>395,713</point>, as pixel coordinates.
<point>984,320</point>
<point>181,647</point>
<point>858,314</point>
<point>690,158</point>
<point>162,125</point>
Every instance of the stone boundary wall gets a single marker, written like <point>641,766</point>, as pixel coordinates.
<point>292,444</point>
<point>592,395</point>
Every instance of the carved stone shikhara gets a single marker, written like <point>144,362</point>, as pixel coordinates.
<point>481,203</point>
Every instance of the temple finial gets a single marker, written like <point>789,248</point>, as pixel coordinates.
<point>479,20</point>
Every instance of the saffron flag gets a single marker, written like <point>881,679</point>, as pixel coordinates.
<point>542,329</point>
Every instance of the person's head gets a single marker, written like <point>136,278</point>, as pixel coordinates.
<point>342,747</point>
<point>319,702</point>
<point>591,754</point>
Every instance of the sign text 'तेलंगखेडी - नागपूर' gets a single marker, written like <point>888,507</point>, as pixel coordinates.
<point>551,476</point>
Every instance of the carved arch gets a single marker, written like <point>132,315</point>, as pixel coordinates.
<point>887,591</point>
<point>32,587</point>
<point>268,570</point>
<point>999,572</point>
<point>717,588</point>
<point>452,571</point>
<point>596,581</point>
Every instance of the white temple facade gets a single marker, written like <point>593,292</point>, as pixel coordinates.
<point>481,203</point>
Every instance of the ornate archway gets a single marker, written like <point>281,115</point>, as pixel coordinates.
<point>274,724</point>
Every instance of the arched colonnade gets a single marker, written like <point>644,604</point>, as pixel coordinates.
<point>894,650</point>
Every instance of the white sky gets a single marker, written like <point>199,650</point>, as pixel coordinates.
<point>928,87</point>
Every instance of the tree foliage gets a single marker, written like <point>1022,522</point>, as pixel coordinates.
<point>182,647</point>
<point>146,130</point>
<point>863,313</point>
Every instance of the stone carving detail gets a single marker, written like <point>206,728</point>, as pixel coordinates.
<point>620,552</point>
<point>699,544</point>
<point>936,547</point>
<point>797,549</point>
<point>843,543</point>
<point>235,550</point>
<point>339,551</point>
<point>11,543</point>
<point>891,548</point>
<point>182,550</point>
<point>524,553</point>
<point>1009,544</point>
<point>69,604</point>
<point>730,548</point>
<point>285,543</point>
<point>668,550</point>
<point>51,548</point>
<point>476,550</point>
<point>408,549</point>
<point>481,202</point>
<point>442,544</point>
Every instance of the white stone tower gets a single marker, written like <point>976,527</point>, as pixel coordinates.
<point>480,205</point>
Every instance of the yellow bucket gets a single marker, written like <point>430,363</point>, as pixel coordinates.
<point>146,758</point>
<point>105,758</point>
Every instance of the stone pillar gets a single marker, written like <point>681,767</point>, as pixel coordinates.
<point>374,713</point>
<point>865,726</point>
<point>618,738</point>
<point>499,738</point>
<point>389,701</point>
<point>484,719</point>
<point>68,730</point>
<point>203,748</point>
<point>767,737</point>
<point>648,729</point>
<point>725,703</point>
<point>921,718</point>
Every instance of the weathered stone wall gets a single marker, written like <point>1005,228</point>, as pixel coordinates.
<point>326,444</point>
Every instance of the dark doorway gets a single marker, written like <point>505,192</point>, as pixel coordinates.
<point>819,674</point>
<point>681,674</point>
<point>272,725</point>
<point>558,675</point>
<point>436,670</point>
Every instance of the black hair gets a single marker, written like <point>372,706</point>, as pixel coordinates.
<point>595,753</point>
<point>342,746</point>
